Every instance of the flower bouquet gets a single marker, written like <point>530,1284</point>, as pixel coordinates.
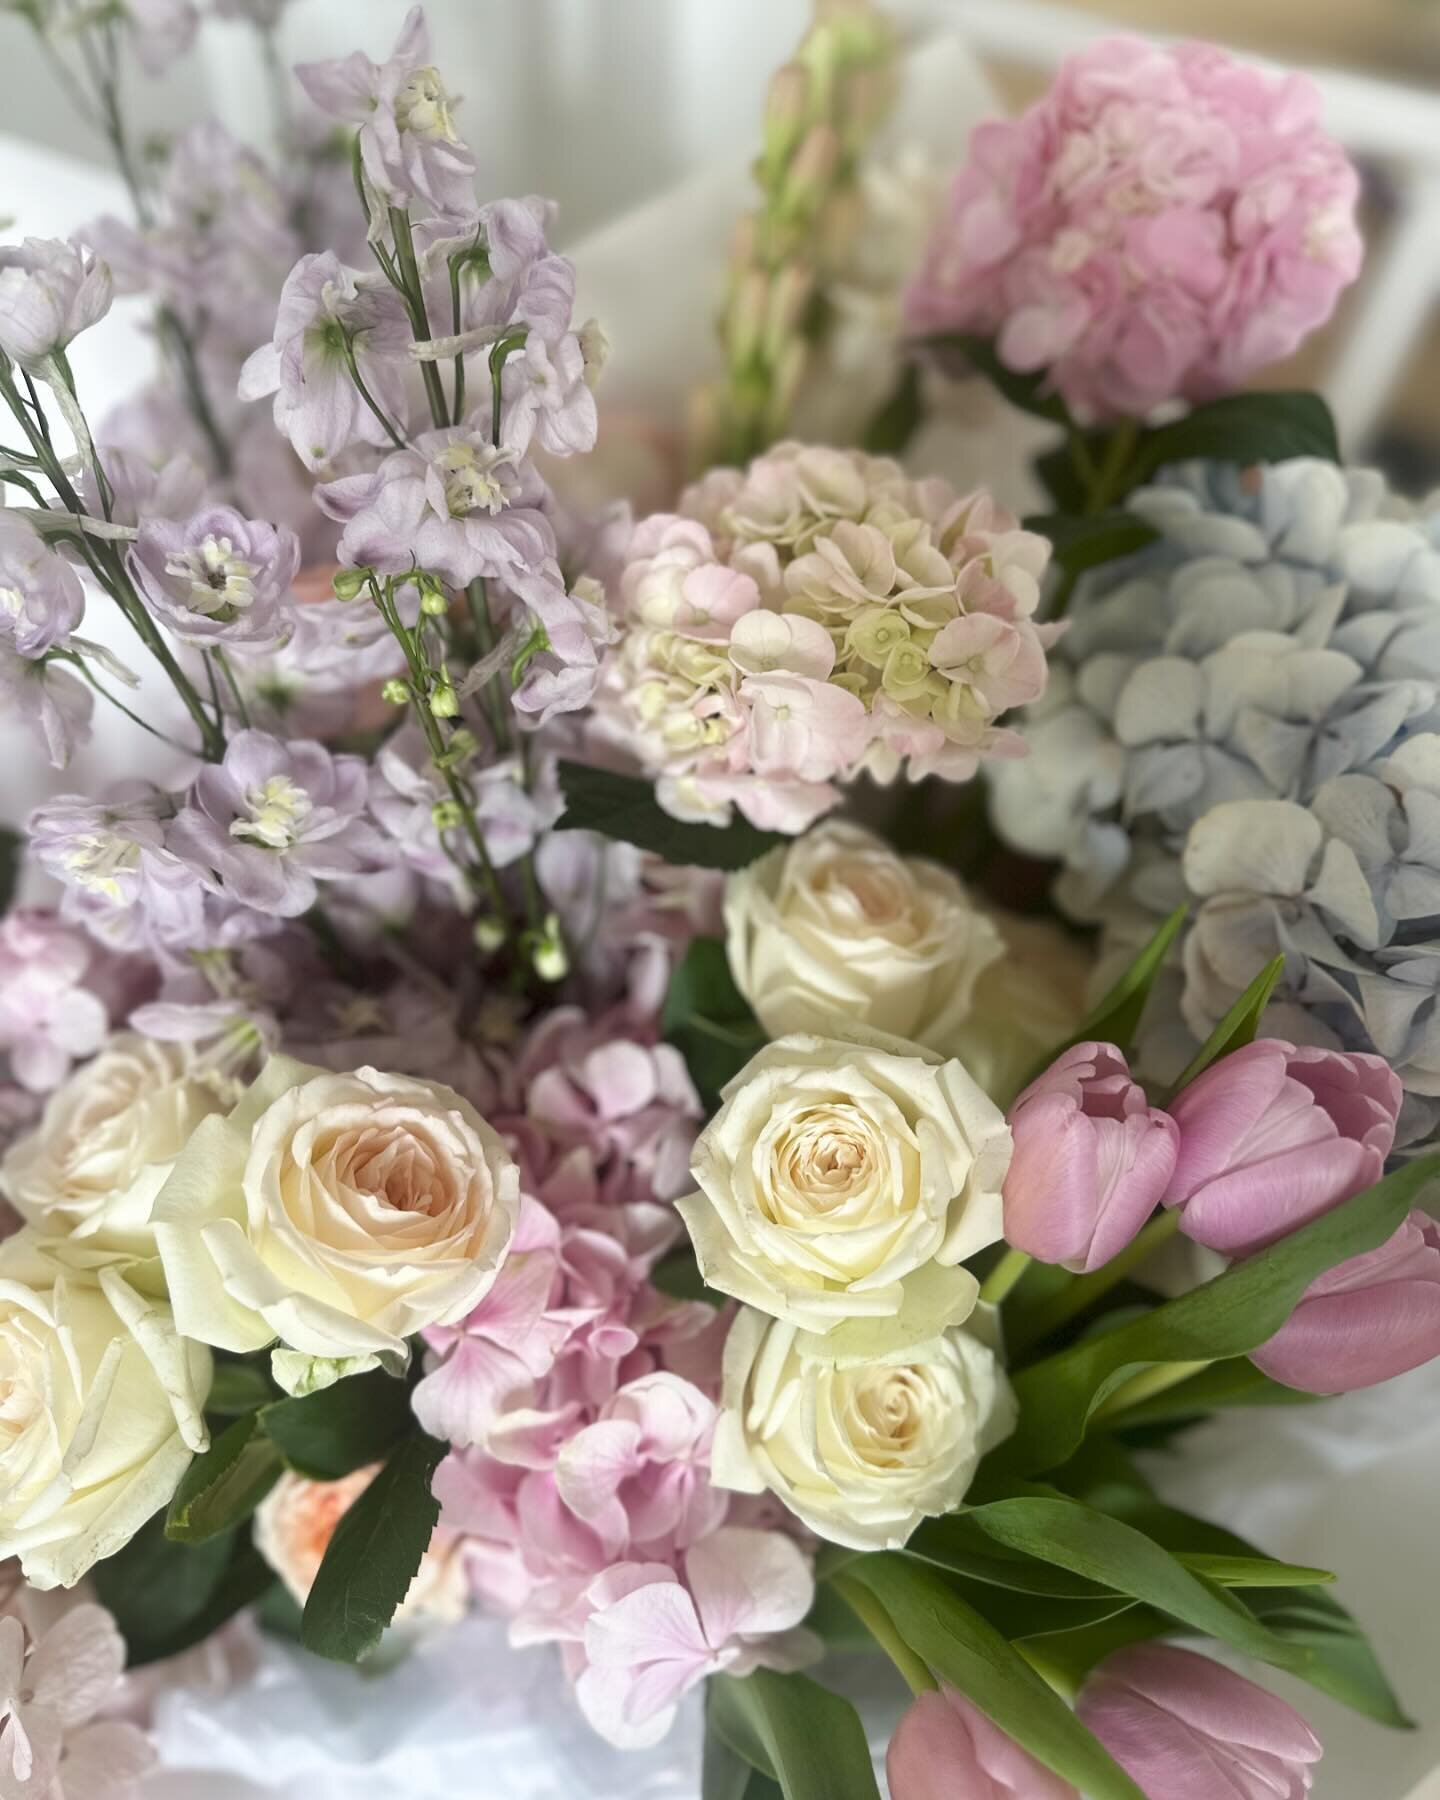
<point>580,1095</point>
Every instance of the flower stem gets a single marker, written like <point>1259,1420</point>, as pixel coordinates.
<point>998,1283</point>
<point>873,1616</point>
<point>1085,1290</point>
<point>1146,1385</point>
<point>352,363</point>
<point>412,291</point>
<point>1109,477</point>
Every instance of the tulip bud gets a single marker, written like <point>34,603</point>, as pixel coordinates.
<point>1365,1320</point>
<point>1273,1136</point>
<point>945,1746</point>
<point>395,692</point>
<point>349,584</point>
<point>1092,1160</point>
<point>1183,1726</point>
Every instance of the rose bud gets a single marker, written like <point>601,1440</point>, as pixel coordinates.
<point>945,1748</point>
<point>1185,1727</point>
<point>1092,1160</point>
<point>1372,1317</point>
<point>1273,1136</point>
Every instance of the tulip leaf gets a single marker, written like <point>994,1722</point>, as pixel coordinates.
<point>338,1429</point>
<point>1234,1381</point>
<point>1225,1317</point>
<point>1116,1018</point>
<point>1239,1026</point>
<point>224,1485</point>
<point>724,1775</point>
<point>796,1732</point>
<point>1250,1571</point>
<point>708,1019</point>
<point>1086,540</point>
<point>965,1650</point>
<point>1342,1663</point>
<point>625,807</point>
<point>374,1555</point>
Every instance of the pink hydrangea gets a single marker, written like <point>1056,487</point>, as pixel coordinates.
<point>817,616</point>
<point>1162,224</point>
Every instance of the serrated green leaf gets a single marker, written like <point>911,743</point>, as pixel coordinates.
<point>166,1597</point>
<point>373,1556</point>
<point>1225,1317</point>
<point>1242,428</point>
<point>965,1650</point>
<point>338,1429</point>
<point>798,1733</point>
<point>624,807</point>
<point>1029,393</point>
<point>222,1487</point>
<point>238,1387</point>
<point>1082,541</point>
<point>1239,1025</point>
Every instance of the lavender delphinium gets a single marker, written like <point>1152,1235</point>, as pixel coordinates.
<point>218,579</point>
<point>41,600</point>
<point>50,291</point>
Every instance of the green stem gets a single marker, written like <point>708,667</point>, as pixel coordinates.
<point>1002,1278</point>
<point>1085,1290</point>
<point>873,1616</point>
<point>1146,1385</point>
<point>183,346</point>
<point>412,291</point>
<point>222,662</point>
<point>391,431</point>
<point>1109,478</point>
<point>89,674</point>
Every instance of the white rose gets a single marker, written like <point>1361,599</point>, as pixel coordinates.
<point>101,1413</point>
<point>837,928</point>
<point>860,1442</point>
<point>296,1520</point>
<point>845,1179</point>
<point>340,1214</point>
<point>91,1169</point>
<point>1025,1005</point>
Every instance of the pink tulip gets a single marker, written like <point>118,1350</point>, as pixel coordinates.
<point>1365,1320</point>
<point>1092,1160</point>
<point>1273,1136</point>
<point>946,1749</point>
<point>1184,1728</point>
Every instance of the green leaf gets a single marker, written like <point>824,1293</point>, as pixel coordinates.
<point>1084,541</point>
<point>1243,428</point>
<point>223,1487</point>
<point>167,1596</point>
<point>624,807</point>
<point>1232,1382</point>
<point>238,1387</point>
<point>678,1275</point>
<point>965,1650</point>
<point>12,854</point>
<point>1239,1025</point>
<point>896,421</point>
<point>1250,1571</point>
<point>726,1776</point>
<point>1225,1317</point>
<point>1342,1663</point>
<point>795,1731</point>
<point>374,1554</point>
<point>341,1428</point>
<point>1027,392</point>
<point>708,1019</point>
<point>958,1542</point>
<point>1116,1018</point>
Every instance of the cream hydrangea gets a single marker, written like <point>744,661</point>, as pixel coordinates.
<point>816,615</point>
<point>102,1412</point>
<point>339,1213</point>
<point>861,1433</point>
<point>91,1169</point>
<point>848,1178</point>
<point>836,928</point>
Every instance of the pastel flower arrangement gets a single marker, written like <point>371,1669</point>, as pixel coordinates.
<point>510,1118</point>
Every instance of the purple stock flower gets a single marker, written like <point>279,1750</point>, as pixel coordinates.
<point>455,504</point>
<point>305,366</point>
<point>48,700</point>
<point>218,578</point>
<point>50,291</point>
<point>162,30</point>
<point>41,600</point>
<point>120,881</point>
<point>409,147</point>
<point>272,819</point>
<point>144,489</point>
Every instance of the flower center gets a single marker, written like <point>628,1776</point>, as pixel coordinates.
<point>475,480</point>
<point>97,860</point>
<point>221,584</point>
<point>12,601</point>
<point>423,107</point>
<point>276,811</point>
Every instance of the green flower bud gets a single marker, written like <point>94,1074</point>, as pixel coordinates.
<point>349,584</point>
<point>489,935</point>
<point>433,603</point>
<point>547,952</point>
<point>444,703</point>
<point>395,692</point>
<point>447,815</point>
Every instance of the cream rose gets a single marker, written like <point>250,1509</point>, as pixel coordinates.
<point>836,928</point>
<point>100,1412</point>
<point>1025,1004</point>
<point>338,1213</point>
<point>859,1443</point>
<point>844,1179</point>
<point>296,1520</point>
<point>90,1170</point>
